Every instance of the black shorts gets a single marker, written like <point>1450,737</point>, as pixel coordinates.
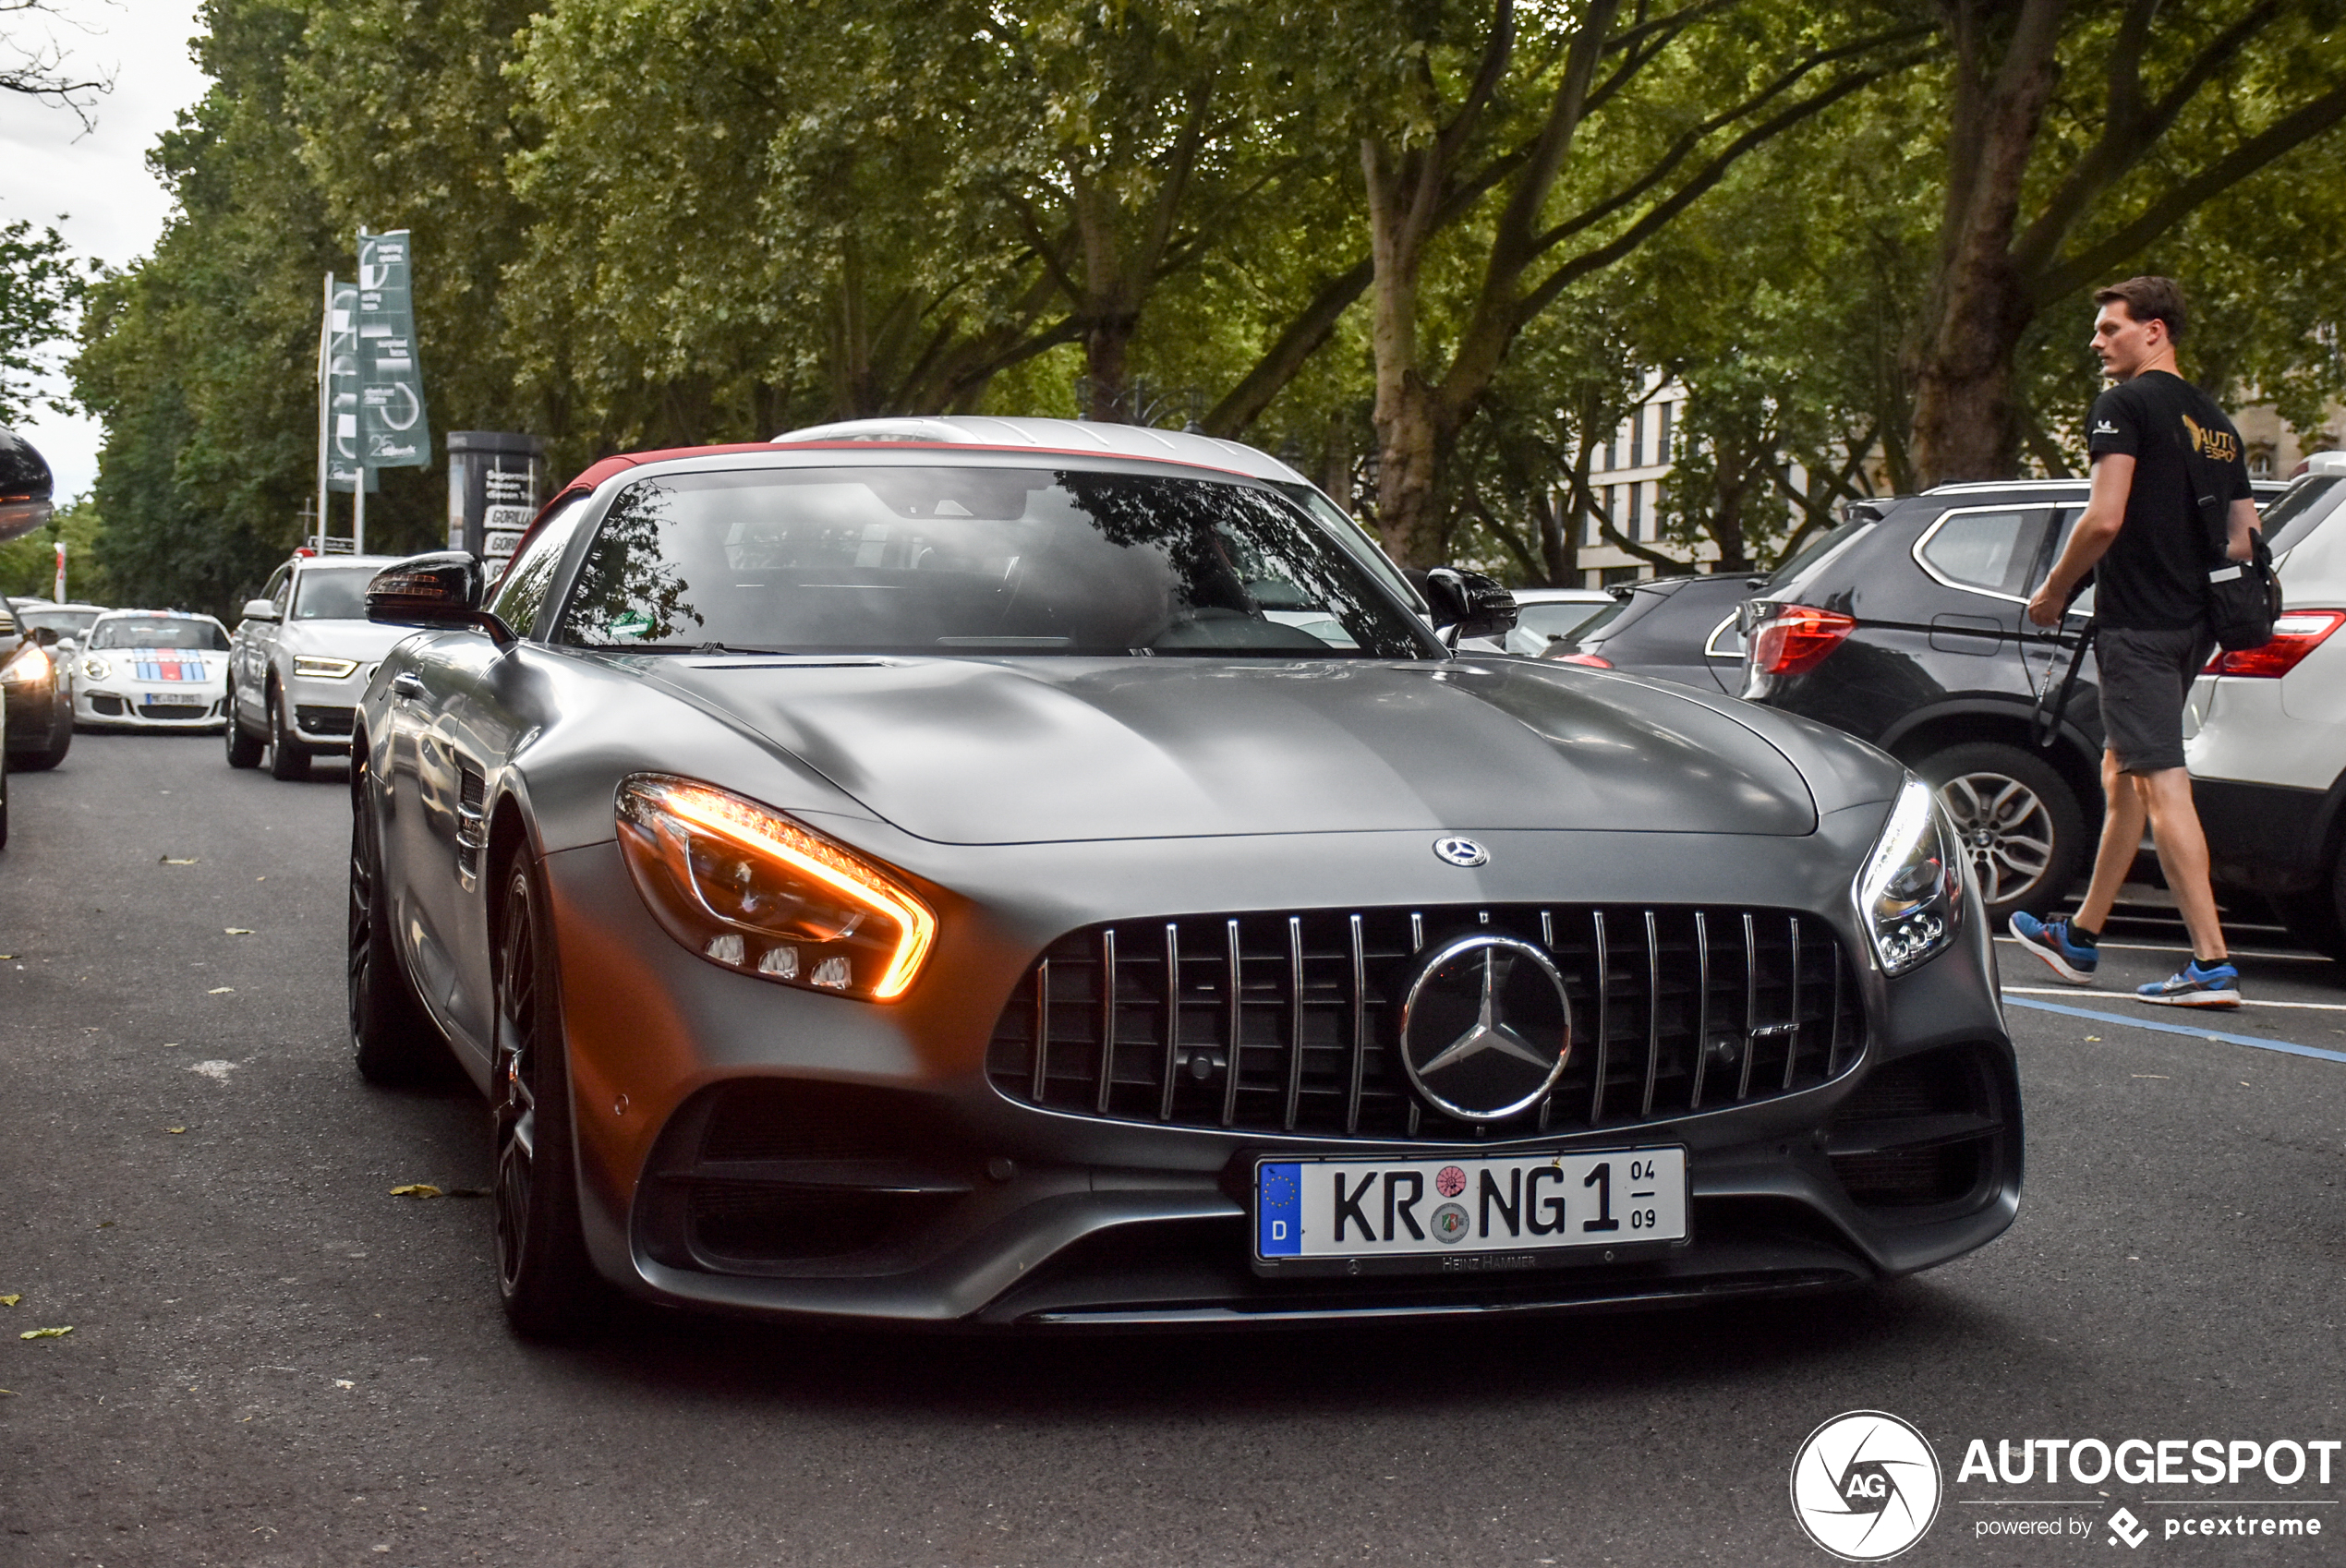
<point>2146,679</point>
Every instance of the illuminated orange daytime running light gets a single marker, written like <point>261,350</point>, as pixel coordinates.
<point>825,863</point>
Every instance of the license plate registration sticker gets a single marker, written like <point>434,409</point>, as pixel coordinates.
<point>1351,1208</point>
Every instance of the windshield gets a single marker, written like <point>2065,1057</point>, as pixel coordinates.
<point>974,560</point>
<point>2297,514</point>
<point>332,594</point>
<point>159,631</point>
<point>72,623</point>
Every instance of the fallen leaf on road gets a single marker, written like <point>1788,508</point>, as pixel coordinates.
<point>168,860</point>
<point>7,955</point>
<point>9,1300</point>
<point>220,991</point>
<point>237,930</point>
<point>415,1190</point>
<point>344,1382</point>
<point>46,1333</point>
<point>174,1129</point>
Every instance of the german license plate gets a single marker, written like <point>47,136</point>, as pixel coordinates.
<point>1358,1210</point>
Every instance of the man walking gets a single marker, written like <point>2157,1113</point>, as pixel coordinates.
<point>2144,529</point>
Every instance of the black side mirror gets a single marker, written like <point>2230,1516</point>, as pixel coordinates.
<point>45,636</point>
<point>440,591</point>
<point>1469,604</point>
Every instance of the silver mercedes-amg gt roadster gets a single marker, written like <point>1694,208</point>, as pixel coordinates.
<point>1018,874</point>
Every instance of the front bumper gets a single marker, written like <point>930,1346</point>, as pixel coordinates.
<point>113,705</point>
<point>324,709</point>
<point>707,1100</point>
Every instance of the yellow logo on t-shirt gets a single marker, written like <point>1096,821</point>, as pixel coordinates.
<point>2217,446</point>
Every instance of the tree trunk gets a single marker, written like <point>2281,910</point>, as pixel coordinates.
<point>1965,425</point>
<point>1409,427</point>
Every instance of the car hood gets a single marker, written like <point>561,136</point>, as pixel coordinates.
<point>974,752</point>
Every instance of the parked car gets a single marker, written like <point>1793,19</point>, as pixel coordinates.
<point>36,686</point>
<point>1682,629</point>
<point>71,621</point>
<point>302,653</point>
<point>152,670</point>
<point>1906,626</point>
<point>921,881</point>
<point>1545,616</point>
<point>2265,733</point>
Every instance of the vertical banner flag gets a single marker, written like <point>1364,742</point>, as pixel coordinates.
<point>60,594</point>
<point>342,395</point>
<point>392,429</point>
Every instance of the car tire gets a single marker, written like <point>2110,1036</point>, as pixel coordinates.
<point>544,1278</point>
<point>393,1040</point>
<point>2019,820</point>
<point>60,743</point>
<point>288,759</point>
<point>244,751</point>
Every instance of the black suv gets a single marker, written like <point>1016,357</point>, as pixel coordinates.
<point>1681,628</point>
<point>1906,626</point>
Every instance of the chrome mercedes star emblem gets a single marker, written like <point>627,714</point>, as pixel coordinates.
<point>1484,1026</point>
<point>1461,852</point>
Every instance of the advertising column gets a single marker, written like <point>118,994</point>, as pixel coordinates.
<point>495,478</point>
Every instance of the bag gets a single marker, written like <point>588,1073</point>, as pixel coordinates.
<point>2244,599</point>
<point>2244,596</point>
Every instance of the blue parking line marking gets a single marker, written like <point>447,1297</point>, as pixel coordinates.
<point>2283,1045</point>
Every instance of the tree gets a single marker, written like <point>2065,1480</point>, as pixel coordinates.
<point>29,565</point>
<point>1459,105</point>
<point>35,67</point>
<point>2077,136</point>
<point>40,287</point>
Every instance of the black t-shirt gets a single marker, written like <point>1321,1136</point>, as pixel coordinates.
<point>2154,577</point>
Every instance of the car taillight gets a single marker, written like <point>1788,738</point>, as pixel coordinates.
<point>2295,633</point>
<point>1796,639</point>
<point>1594,661</point>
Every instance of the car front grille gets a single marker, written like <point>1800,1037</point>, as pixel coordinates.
<point>1674,1009</point>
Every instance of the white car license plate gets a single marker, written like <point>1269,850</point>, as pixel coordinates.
<point>1368,1208</point>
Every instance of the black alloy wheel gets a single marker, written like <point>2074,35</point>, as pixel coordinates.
<point>544,1277</point>
<point>393,1040</point>
<point>2018,821</point>
<point>288,759</point>
<point>243,750</point>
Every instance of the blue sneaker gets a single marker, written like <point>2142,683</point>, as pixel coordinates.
<point>2048,939</point>
<point>2217,985</point>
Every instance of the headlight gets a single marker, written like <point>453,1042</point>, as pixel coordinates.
<point>325,668</point>
<point>1911,891</point>
<point>748,888</point>
<point>96,668</point>
<point>28,665</point>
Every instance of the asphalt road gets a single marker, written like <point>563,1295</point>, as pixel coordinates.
<point>273,1360</point>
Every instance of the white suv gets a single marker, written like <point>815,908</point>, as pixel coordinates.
<point>2266,733</point>
<point>302,655</point>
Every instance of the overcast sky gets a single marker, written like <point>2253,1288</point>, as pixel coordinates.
<point>93,186</point>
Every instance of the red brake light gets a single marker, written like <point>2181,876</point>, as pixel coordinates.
<point>2296,633</point>
<point>1796,639</point>
<point>1594,661</point>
